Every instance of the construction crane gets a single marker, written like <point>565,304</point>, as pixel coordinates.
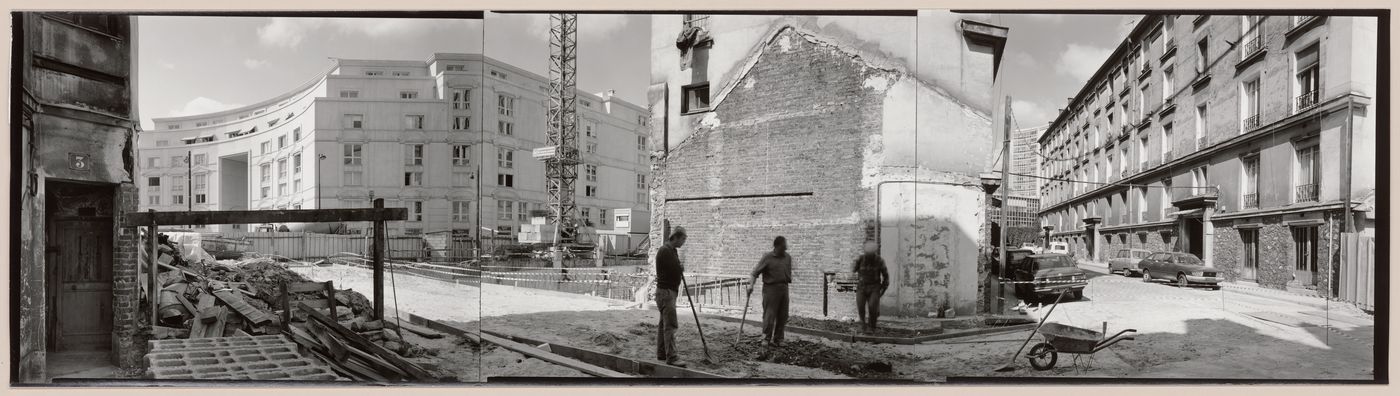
<point>561,156</point>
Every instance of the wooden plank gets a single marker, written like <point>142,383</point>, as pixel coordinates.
<point>551,357</point>
<point>415,372</point>
<point>303,287</point>
<point>265,216</point>
<point>205,306</point>
<point>220,322</point>
<point>431,324</point>
<point>378,259</point>
<point>258,317</point>
<point>416,329</point>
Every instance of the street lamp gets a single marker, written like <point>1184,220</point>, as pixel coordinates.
<point>318,180</point>
<point>1047,236</point>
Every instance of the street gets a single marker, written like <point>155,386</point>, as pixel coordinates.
<point>1235,332</point>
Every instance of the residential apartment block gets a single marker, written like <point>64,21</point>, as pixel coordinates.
<point>448,138</point>
<point>1246,140</point>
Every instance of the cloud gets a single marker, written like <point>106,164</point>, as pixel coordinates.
<point>203,105</point>
<point>167,65</point>
<point>590,26</point>
<point>254,63</point>
<point>1031,114</point>
<point>1081,61</point>
<point>290,32</point>
<point>1022,59</point>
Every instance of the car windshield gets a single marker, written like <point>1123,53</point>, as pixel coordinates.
<point>1188,259</point>
<point>1139,254</point>
<point>1055,262</point>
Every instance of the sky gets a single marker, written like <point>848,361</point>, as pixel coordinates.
<point>196,65</point>
<point>1049,57</point>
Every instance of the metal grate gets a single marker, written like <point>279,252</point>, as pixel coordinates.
<point>1254,44</point>
<point>1307,100</point>
<point>1307,193</point>
<point>1251,122</point>
<point>1251,200</point>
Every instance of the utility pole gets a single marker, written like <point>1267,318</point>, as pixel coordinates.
<point>1005,203</point>
<point>189,172</point>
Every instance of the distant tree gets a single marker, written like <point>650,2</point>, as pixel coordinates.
<point>1021,235</point>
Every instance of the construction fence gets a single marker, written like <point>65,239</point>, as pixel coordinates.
<point>309,245</point>
<point>1358,273</point>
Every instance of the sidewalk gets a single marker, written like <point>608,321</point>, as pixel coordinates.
<point>1300,297</point>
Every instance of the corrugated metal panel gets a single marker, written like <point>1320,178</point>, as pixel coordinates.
<point>1358,274</point>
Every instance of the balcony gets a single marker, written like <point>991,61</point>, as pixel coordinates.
<point>1126,172</point>
<point>1306,193</point>
<point>1251,122</point>
<point>1252,46</point>
<point>1307,101</point>
<point>1251,201</point>
<point>1200,143</point>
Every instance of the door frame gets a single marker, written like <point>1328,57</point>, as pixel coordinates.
<point>52,269</point>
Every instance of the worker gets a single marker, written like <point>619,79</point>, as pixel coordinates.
<point>668,281</point>
<point>874,279</point>
<point>776,269</point>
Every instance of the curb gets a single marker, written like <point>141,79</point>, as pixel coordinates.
<point>883,340</point>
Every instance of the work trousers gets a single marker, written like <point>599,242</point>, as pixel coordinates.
<point>775,311</point>
<point>666,328</point>
<point>868,299</point>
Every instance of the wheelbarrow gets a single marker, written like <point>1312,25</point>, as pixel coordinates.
<point>1069,339</point>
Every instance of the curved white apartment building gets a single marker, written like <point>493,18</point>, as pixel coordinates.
<point>448,138</point>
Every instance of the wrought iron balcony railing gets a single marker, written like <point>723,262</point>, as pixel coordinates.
<point>1307,193</point>
<point>1251,122</point>
<point>1251,200</point>
<point>1307,100</point>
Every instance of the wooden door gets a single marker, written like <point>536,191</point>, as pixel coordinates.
<point>83,278</point>
<point>1305,255</point>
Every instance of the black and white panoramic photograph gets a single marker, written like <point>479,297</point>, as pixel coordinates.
<point>652,198</point>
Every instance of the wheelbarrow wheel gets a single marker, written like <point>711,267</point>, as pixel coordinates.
<point>1043,356</point>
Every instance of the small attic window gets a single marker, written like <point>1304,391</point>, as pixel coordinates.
<point>695,98</point>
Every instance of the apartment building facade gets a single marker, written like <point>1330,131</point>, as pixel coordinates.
<point>448,138</point>
<point>1025,160</point>
<point>1246,140</point>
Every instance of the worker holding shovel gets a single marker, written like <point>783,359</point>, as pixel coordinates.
<point>669,273</point>
<point>874,279</point>
<point>776,269</point>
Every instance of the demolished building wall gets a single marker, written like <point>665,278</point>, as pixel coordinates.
<point>829,138</point>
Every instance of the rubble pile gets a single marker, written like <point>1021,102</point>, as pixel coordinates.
<point>203,298</point>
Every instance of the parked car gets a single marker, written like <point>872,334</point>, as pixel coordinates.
<point>1032,247</point>
<point>1048,273</point>
<point>1060,247</point>
<point>1184,268</point>
<point>1013,256</point>
<point>1127,261</point>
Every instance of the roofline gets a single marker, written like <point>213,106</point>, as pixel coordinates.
<point>301,88</point>
<point>1117,53</point>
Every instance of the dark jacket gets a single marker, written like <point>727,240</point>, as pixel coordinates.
<point>775,269</point>
<point>872,271</point>
<point>668,268</point>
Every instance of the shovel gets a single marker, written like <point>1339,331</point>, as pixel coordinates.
<point>1008,367</point>
<point>743,318</point>
<point>703,344</point>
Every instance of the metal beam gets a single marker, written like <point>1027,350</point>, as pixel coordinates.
<point>264,216</point>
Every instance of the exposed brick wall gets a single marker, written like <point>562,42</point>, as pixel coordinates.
<point>798,128</point>
<point>128,340</point>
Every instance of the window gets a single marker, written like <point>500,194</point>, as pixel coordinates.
<point>588,130</point>
<point>505,158</point>
<point>200,183</point>
<point>1166,197</point>
<point>282,141</point>
<point>1168,85</point>
<point>1250,239</point>
<point>1305,254</point>
<point>162,143</point>
<point>1252,35</point>
<point>1307,173</point>
<point>154,183</point>
<point>265,173</point>
<point>266,191</point>
<point>1250,187</point>
<point>349,93</point>
<point>413,155</point>
<point>505,105</point>
<point>695,98</point>
<point>153,200</point>
<point>1306,79</point>
<point>153,162</point>
<point>505,210</point>
<point>1200,127</point>
<point>413,178</point>
<point>641,182</point>
<point>460,99</point>
<point>374,72</point>
<point>1202,55</point>
<point>505,127</point>
<point>461,155</point>
<point>415,210</point>
<point>1123,162</point>
<point>584,213</point>
<point>413,121</point>
<point>522,212</point>
<point>172,126</point>
<point>460,211</point>
<point>296,134</point>
<point>498,74</point>
<point>353,154</point>
<point>354,121</point>
<point>401,73</point>
<point>282,169</point>
<point>201,123</point>
<point>461,179</point>
<point>1166,142</point>
<point>200,198</point>
<point>461,123</point>
<point>592,148</point>
<point>408,94</point>
<point>1249,105</point>
<point>177,199</point>
<point>1142,152</point>
<point>1167,22</point>
<point>281,189</point>
<point>296,163</point>
<point>296,186</point>
<point>456,67</point>
<point>642,143</point>
<point>590,191</point>
<point>266,146</point>
<point>354,178</point>
<point>505,180</point>
<point>592,172</point>
<point>1201,182</point>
